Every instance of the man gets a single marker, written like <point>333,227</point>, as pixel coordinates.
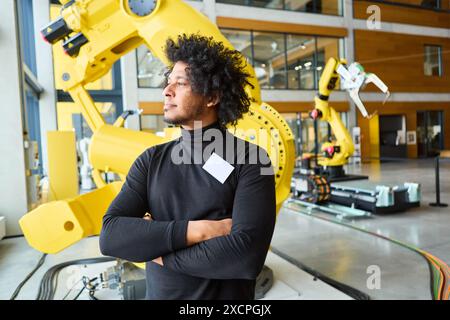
<point>211,208</point>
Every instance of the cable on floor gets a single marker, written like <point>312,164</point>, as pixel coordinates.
<point>49,282</point>
<point>38,265</point>
<point>348,290</point>
<point>439,270</point>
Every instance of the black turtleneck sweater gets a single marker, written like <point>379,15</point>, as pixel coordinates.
<point>169,182</point>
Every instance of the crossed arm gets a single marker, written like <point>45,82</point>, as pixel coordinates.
<point>222,249</point>
<point>125,234</point>
<point>200,230</point>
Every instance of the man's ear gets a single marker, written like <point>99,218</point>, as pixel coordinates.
<point>213,100</point>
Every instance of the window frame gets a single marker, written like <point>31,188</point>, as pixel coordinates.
<point>440,62</point>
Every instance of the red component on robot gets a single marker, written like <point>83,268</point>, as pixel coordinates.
<point>330,150</point>
<point>315,114</point>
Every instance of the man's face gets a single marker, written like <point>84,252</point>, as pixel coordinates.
<point>182,106</point>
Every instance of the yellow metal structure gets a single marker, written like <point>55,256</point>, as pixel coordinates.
<point>56,225</point>
<point>62,165</point>
<point>66,110</point>
<point>112,28</point>
<point>343,147</point>
<point>374,128</point>
<point>353,79</point>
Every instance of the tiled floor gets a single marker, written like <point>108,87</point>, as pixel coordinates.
<point>333,250</point>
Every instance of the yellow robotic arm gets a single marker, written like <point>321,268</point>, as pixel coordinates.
<point>336,153</point>
<point>94,34</point>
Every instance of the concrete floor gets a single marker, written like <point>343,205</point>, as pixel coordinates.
<point>333,250</point>
<point>290,282</point>
<point>344,254</point>
<point>426,227</point>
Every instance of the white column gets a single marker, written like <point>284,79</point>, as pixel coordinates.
<point>350,54</point>
<point>13,188</point>
<point>209,9</point>
<point>45,74</point>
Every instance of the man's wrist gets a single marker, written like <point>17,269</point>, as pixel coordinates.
<point>194,233</point>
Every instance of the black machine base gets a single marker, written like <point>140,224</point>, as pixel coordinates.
<point>337,173</point>
<point>367,203</point>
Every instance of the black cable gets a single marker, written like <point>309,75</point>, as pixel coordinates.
<point>39,264</point>
<point>49,282</point>
<point>86,281</point>
<point>86,285</point>
<point>350,291</point>
<point>82,289</point>
<point>13,237</point>
<point>70,290</point>
<point>430,266</point>
<point>91,296</point>
<point>92,289</point>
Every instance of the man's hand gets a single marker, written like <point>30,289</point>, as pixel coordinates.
<point>202,230</point>
<point>158,261</point>
<point>147,216</point>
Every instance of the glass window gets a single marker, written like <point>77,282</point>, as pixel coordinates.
<point>441,5</point>
<point>280,61</point>
<point>70,117</point>
<point>331,7</point>
<point>307,138</point>
<point>270,59</point>
<point>30,111</point>
<point>432,4</point>
<point>435,4</point>
<point>269,4</point>
<point>241,41</point>
<point>326,48</point>
<point>150,69</point>
<point>430,139</point>
<point>433,61</point>
<point>300,52</point>
<point>301,74</point>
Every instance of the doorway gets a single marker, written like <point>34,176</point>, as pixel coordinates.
<point>430,138</point>
<point>392,136</point>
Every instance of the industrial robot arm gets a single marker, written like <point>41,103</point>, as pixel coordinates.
<point>353,79</point>
<point>95,34</point>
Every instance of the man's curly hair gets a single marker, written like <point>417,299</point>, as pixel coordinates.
<point>213,70</point>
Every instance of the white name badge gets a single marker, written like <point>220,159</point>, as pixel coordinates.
<point>218,167</point>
